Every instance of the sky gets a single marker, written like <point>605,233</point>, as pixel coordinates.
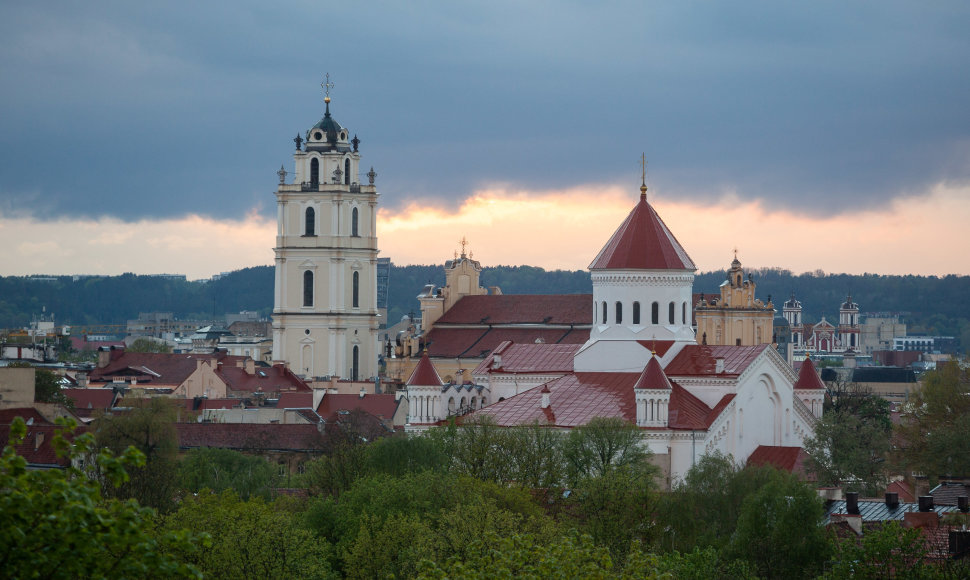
<point>834,136</point>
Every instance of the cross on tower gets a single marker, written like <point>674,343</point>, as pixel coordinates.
<point>326,85</point>
<point>463,243</point>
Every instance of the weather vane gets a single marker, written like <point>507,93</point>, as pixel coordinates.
<point>326,85</point>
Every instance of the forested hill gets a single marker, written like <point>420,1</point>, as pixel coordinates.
<point>928,304</point>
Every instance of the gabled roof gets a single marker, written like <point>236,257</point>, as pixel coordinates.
<point>156,369</point>
<point>381,406</point>
<point>521,309</point>
<point>688,412</point>
<point>444,342</point>
<point>700,360</point>
<point>643,242</point>
<point>531,358</point>
<point>807,376</point>
<point>300,400</point>
<point>276,378</point>
<point>424,374</point>
<point>91,398</point>
<point>790,459</point>
<point>653,377</point>
<point>26,413</point>
<point>250,436</point>
<point>574,400</point>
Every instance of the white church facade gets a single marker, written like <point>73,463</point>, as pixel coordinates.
<point>641,363</point>
<point>325,317</point>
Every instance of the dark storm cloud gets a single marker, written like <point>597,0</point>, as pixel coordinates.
<point>136,110</point>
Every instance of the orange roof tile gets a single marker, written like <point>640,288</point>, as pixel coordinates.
<point>643,242</point>
<point>381,406</point>
<point>790,459</point>
<point>531,358</point>
<point>479,342</point>
<point>521,309</point>
<point>653,377</point>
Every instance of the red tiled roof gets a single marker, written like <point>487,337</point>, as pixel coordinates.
<point>521,309</point>
<point>91,398</point>
<point>155,369</point>
<point>653,377</point>
<point>424,374</point>
<point>473,342</point>
<point>807,376</point>
<point>274,379</point>
<point>250,436</point>
<point>381,406</point>
<point>574,400</point>
<point>295,401</point>
<point>643,242</point>
<point>687,411</point>
<point>7,416</point>
<point>697,359</point>
<point>37,447</point>
<point>790,459</point>
<point>532,358</point>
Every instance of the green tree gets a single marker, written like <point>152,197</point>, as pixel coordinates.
<point>889,551</point>
<point>480,449</point>
<point>536,456</point>
<point>221,469</point>
<point>851,442</point>
<point>706,564</point>
<point>934,435</point>
<point>55,524</point>
<point>148,345</point>
<point>149,426</point>
<point>250,539</point>
<point>604,443</point>
<point>779,530</point>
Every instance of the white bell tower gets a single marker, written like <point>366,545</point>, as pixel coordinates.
<point>325,317</point>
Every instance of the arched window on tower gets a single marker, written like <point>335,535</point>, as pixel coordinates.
<point>354,218</point>
<point>636,313</point>
<point>655,313</point>
<point>670,313</point>
<point>308,288</point>
<point>346,171</point>
<point>604,312</point>
<point>356,289</point>
<point>619,313</point>
<point>354,369</point>
<point>308,229</point>
<point>314,172</point>
<point>683,313</point>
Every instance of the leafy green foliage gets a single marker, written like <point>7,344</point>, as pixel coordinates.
<point>851,441</point>
<point>250,539</point>
<point>934,436</point>
<point>148,426</point>
<point>148,345</point>
<point>605,443</point>
<point>885,552</point>
<point>779,530</point>
<point>55,524</point>
<point>222,469</point>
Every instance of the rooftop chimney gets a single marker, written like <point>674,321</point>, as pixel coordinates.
<point>363,392</point>
<point>926,503</point>
<point>545,397</point>
<point>719,365</point>
<point>892,500</point>
<point>852,502</point>
<point>963,504</point>
<point>496,361</point>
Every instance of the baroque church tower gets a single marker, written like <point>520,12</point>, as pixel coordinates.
<point>325,317</point>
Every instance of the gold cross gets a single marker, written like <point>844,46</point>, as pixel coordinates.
<point>326,85</point>
<point>463,243</point>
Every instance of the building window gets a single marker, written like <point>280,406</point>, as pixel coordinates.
<point>655,313</point>
<point>346,171</point>
<point>353,222</point>
<point>356,289</point>
<point>604,312</point>
<point>355,363</point>
<point>636,313</point>
<point>314,172</point>
<point>670,313</point>
<point>308,288</point>
<point>619,313</point>
<point>308,228</point>
<point>683,313</point>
